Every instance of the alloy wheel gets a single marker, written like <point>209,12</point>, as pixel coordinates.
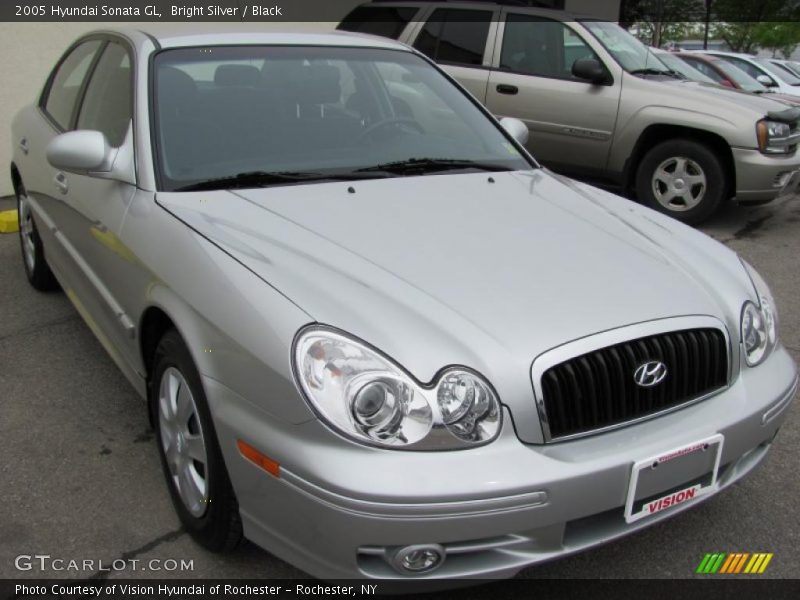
<point>679,183</point>
<point>182,441</point>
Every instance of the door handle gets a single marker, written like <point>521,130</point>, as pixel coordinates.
<point>23,145</point>
<point>504,88</point>
<point>61,182</point>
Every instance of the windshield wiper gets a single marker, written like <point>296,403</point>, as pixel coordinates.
<point>415,166</point>
<point>251,179</point>
<point>653,71</point>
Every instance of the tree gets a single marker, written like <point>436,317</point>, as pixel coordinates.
<point>747,24</point>
<point>780,38</point>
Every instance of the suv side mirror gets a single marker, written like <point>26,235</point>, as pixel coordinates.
<point>765,80</point>
<point>517,129</point>
<point>81,152</point>
<point>589,69</point>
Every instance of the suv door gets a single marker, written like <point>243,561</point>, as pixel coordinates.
<point>571,120</point>
<point>461,41</point>
<point>97,205</point>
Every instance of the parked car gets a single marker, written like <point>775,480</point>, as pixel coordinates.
<point>682,69</point>
<point>373,335</point>
<point>764,70</point>
<point>791,66</point>
<point>600,105</point>
<point>729,75</point>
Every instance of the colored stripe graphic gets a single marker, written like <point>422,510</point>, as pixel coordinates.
<point>734,562</point>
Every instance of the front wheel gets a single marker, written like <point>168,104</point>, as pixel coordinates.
<point>684,179</point>
<point>190,454</point>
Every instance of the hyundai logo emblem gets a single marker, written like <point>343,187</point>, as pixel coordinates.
<point>650,373</point>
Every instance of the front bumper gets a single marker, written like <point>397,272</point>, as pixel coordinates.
<point>338,507</point>
<point>761,178</point>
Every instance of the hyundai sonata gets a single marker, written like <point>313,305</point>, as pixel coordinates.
<point>374,336</point>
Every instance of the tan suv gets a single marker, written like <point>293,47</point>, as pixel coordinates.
<point>600,105</point>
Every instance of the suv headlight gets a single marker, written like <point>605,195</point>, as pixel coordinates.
<point>774,137</point>
<point>759,328</point>
<point>367,397</point>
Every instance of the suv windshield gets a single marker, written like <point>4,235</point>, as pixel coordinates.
<point>630,53</point>
<point>270,115</point>
<point>777,71</point>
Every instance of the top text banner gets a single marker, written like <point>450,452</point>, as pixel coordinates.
<point>174,10</point>
<point>627,11</point>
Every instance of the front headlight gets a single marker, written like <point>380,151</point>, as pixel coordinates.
<point>367,397</point>
<point>759,325</point>
<point>774,137</point>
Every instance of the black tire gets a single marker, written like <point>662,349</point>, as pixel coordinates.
<point>33,260</point>
<point>701,156</point>
<point>219,528</point>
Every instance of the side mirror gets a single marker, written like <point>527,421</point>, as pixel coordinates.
<point>516,128</point>
<point>765,80</point>
<point>589,69</point>
<point>81,152</point>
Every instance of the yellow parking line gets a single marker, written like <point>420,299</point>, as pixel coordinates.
<point>9,223</point>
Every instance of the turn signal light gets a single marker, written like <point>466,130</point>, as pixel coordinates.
<point>261,460</point>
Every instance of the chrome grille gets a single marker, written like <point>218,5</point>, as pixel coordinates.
<point>597,390</point>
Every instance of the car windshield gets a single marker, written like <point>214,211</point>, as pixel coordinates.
<point>683,68</point>
<point>268,115</point>
<point>745,81</point>
<point>779,73</point>
<point>630,53</point>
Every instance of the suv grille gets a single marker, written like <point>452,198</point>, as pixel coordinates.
<point>597,390</point>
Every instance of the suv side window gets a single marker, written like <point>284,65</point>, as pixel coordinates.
<point>66,82</point>
<point>107,104</point>
<point>542,47</point>
<point>455,37</point>
<point>386,21</point>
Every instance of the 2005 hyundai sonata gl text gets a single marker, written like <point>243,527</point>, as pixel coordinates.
<point>374,336</point>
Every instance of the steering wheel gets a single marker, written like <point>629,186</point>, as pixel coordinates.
<point>391,121</point>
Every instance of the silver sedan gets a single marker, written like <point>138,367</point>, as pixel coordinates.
<point>374,336</point>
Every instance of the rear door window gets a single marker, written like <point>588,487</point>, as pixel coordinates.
<point>67,81</point>
<point>455,37</point>
<point>386,21</point>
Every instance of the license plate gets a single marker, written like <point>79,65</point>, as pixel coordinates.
<point>673,478</point>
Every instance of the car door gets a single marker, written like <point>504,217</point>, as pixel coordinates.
<point>460,41</point>
<point>96,206</point>
<point>54,114</point>
<point>571,120</point>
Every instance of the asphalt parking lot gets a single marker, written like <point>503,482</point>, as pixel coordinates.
<point>80,476</point>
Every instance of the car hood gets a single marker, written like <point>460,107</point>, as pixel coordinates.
<point>484,271</point>
<point>716,94</point>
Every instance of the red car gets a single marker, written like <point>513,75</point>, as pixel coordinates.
<point>729,75</point>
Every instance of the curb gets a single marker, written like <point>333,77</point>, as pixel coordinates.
<point>9,222</point>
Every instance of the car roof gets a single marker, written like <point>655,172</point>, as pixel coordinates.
<point>180,35</point>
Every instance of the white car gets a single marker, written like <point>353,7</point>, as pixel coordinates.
<point>777,78</point>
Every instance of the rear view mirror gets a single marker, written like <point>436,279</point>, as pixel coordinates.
<point>589,69</point>
<point>81,152</point>
<point>765,80</point>
<point>516,128</point>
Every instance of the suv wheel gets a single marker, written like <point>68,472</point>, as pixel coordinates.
<point>682,178</point>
